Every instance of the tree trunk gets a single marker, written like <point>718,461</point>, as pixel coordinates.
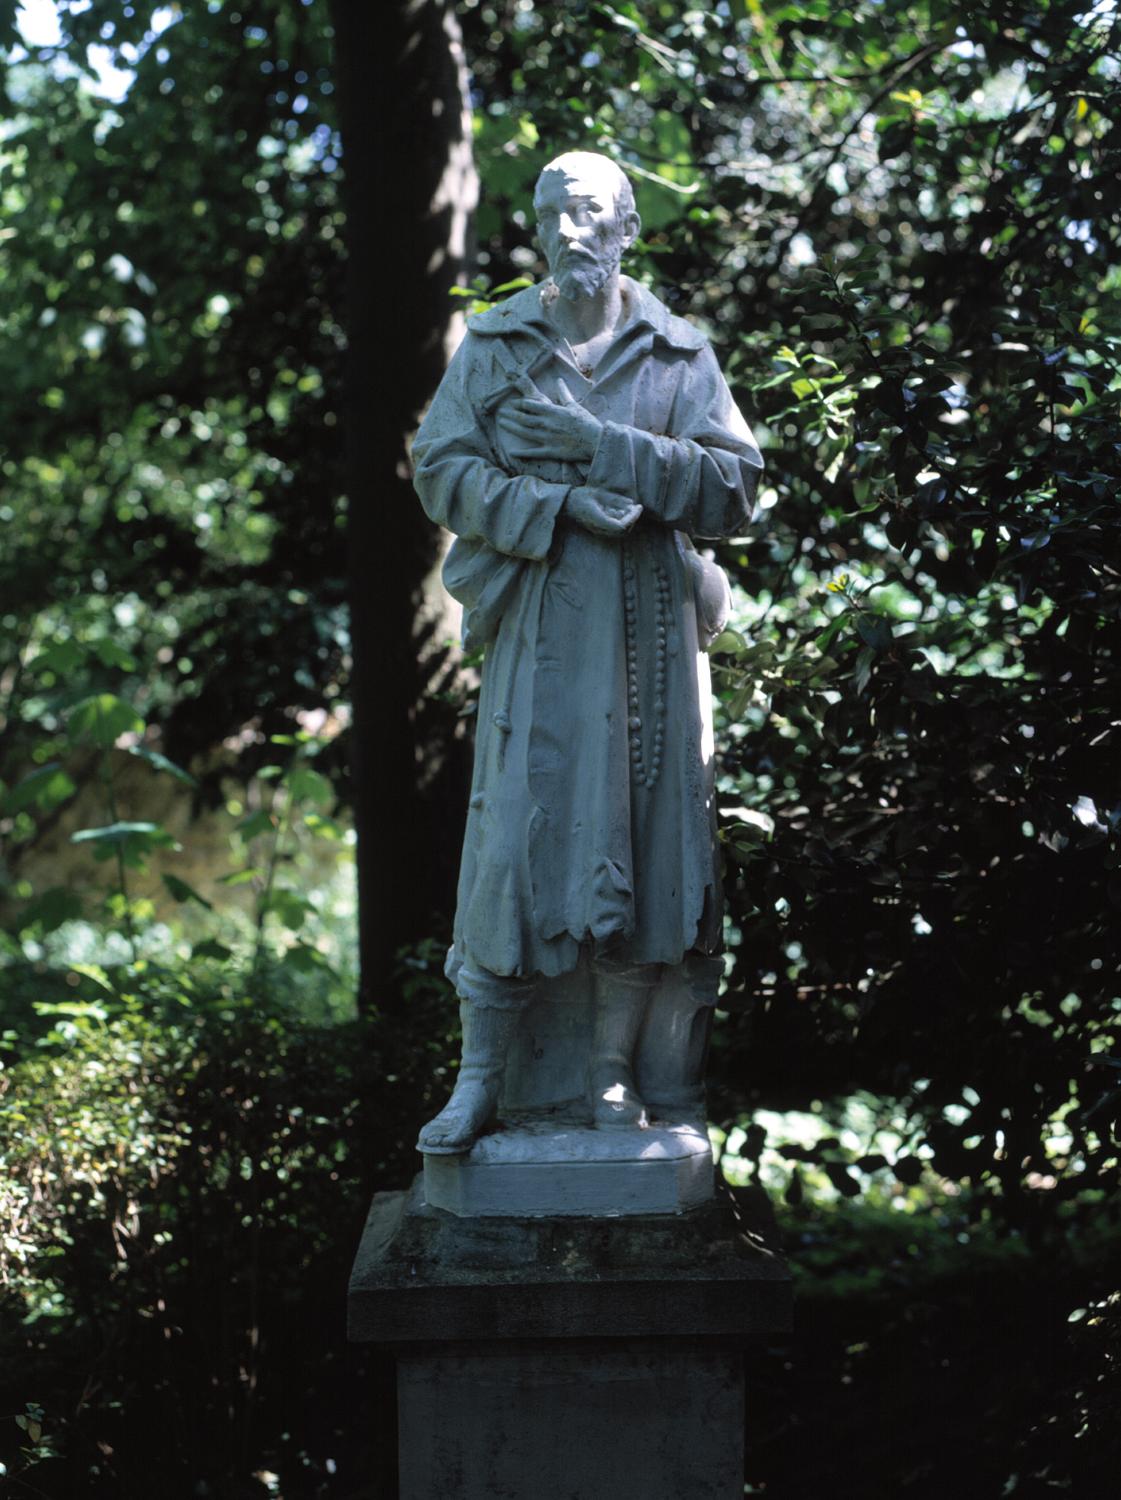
<point>410,193</point>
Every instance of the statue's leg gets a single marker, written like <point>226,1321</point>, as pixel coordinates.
<point>621,993</point>
<point>490,1008</point>
<point>673,1049</point>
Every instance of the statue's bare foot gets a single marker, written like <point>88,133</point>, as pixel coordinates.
<point>615,1102</point>
<point>456,1127</point>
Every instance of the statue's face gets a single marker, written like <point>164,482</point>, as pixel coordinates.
<point>580,229</point>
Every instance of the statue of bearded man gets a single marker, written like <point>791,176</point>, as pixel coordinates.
<point>581,438</point>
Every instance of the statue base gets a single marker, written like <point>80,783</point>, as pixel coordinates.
<point>546,1166</point>
<point>569,1358</point>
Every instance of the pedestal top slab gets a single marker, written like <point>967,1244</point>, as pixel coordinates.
<point>548,1138</point>
<point>555,1166</point>
<point>424,1275</point>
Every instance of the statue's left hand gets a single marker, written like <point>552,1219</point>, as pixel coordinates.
<point>532,427</point>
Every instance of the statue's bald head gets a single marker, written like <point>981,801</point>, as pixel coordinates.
<point>585,221</point>
<point>593,169</point>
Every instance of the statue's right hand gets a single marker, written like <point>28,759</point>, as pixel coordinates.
<point>600,511</point>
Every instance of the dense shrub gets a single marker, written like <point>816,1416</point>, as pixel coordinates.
<point>185,1164</point>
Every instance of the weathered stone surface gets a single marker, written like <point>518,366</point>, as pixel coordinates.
<point>423,1275</point>
<point>569,1359</point>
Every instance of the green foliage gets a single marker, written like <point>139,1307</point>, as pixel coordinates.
<point>913,1327</point>
<point>171,361</point>
<point>894,220</point>
<point>271,847</point>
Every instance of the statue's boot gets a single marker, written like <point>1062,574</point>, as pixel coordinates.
<point>675,1042</point>
<point>620,1002</point>
<point>487,1030</point>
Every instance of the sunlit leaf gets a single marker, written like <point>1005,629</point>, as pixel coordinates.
<point>102,719</point>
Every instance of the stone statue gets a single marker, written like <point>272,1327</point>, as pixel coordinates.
<point>581,437</point>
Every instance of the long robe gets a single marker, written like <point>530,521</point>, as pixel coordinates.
<point>591,823</point>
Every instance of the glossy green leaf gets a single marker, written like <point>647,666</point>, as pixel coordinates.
<point>181,891</point>
<point>160,762</point>
<point>308,785</point>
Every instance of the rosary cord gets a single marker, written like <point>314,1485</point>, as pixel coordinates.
<point>646,771</point>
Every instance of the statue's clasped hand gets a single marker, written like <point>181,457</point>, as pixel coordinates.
<point>533,427</point>
<point>601,511</point>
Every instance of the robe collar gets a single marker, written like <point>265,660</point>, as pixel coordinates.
<point>523,313</point>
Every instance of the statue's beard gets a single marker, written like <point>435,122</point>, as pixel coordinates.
<point>583,280</point>
<point>585,275</point>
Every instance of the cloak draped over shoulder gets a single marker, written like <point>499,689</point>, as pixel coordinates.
<point>592,816</point>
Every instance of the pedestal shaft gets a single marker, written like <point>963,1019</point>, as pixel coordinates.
<point>635,1420</point>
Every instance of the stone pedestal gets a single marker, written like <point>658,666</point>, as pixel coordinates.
<point>570,1358</point>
